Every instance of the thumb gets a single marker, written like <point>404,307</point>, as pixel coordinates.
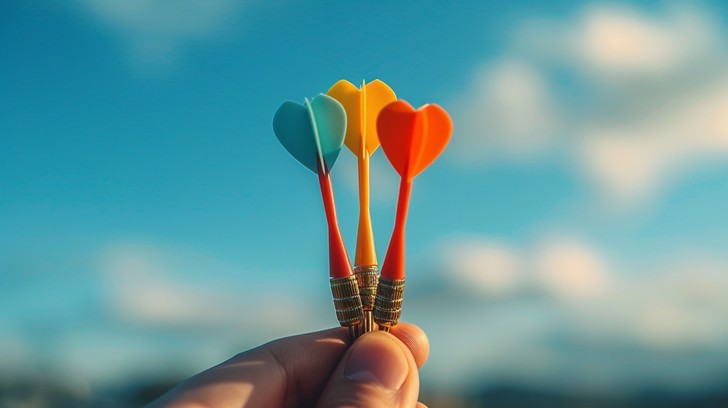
<point>378,370</point>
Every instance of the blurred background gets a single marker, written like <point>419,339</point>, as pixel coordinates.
<point>567,250</point>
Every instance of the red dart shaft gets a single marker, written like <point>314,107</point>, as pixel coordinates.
<point>339,265</point>
<point>394,262</point>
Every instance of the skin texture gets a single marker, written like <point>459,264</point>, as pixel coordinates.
<point>315,369</point>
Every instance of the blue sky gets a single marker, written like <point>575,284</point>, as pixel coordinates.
<point>146,208</point>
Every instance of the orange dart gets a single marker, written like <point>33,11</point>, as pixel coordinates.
<point>411,139</point>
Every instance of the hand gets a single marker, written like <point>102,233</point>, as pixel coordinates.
<point>316,369</point>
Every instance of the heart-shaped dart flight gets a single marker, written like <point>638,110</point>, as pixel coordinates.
<point>411,140</point>
<point>362,107</point>
<point>314,133</point>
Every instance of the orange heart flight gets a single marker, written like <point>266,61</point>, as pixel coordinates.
<point>411,139</point>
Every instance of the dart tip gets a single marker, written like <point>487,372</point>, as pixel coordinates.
<point>353,333</point>
<point>368,321</point>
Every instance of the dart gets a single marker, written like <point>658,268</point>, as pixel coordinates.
<point>313,134</point>
<point>411,139</point>
<point>362,107</point>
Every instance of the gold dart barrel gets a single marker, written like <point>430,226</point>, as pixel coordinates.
<point>388,303</point>
<point>347,302</point>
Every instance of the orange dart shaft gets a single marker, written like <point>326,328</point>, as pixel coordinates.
<point>394,261</point>
<point>339,265</point>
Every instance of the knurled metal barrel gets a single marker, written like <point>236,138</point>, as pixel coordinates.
<point>388,303</point>
<point>367,278</point>
<point>347,302</point>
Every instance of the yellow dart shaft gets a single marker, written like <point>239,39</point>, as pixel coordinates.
<point>365,251</point>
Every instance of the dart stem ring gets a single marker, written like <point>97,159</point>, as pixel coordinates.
<point>388,304</point>
<point>347,302</point>
<point>367,278</point>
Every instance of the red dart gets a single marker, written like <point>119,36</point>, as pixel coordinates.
<point>411,139</point>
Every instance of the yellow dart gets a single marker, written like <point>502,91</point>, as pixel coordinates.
<point>362,108</point>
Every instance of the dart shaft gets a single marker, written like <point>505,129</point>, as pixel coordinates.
<point>405,190</point>
<point>365,249</point>
<point>327,194</point>
<point>394,262</point>
<point>339,265</point>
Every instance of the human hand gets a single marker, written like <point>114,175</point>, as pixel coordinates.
<point>316,369</point>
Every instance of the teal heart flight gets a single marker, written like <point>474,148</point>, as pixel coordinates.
<point>312,133</point>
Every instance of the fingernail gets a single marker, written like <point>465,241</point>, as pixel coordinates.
<point>376,358</point>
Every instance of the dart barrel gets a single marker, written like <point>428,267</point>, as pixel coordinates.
<point>347,302</point>
<point>388,303</point>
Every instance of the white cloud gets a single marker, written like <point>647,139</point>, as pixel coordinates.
<point>163,310</point>
<point>570,268</point>
<point>576,271</point>
<point>684,305</point>
<point>574,318</point>
<point>557,266</point>
<point>513,110</point>
<point>626,166</point>
<point>631,162</point>
<point>482,266</point>
<point>152,286</point>
<point>618,40</point>
<point>676,302</point>
<point>650,105</point>
<point>156,31</point>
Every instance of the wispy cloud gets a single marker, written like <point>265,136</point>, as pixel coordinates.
<point>158,302</point>
<point>152,286</point>
<point>482,266</point>
<point>509,110</point>
<point>533,313</point>
<point>558,266</point>
<point>571,268</point>
<point>644,98</point>
<point>156,32</point>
